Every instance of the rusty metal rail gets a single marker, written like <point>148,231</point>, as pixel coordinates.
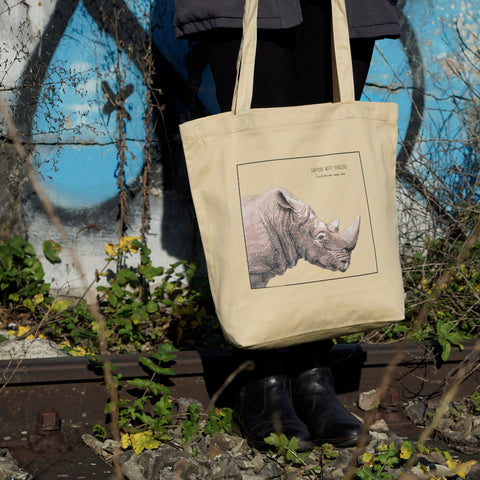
<point>48,403</point>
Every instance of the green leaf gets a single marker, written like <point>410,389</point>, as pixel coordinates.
<point>51,250</point>
<point>156,368</point>
<point>14,297</point>
<point>152,306</point>
<point>125,275</point>
<point>163,408</point>
<point>60,305</point>
<point>166,352</point>
<point>29,304</point>
<point>149,271</point>
<point>446,350</point>
<point>293,444</point>
<point>159,389</point>
<point>139,383</point>
<point>273,440</point>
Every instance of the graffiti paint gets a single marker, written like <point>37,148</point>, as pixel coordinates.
<point>73,121</point>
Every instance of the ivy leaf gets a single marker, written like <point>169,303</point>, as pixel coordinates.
<point>459,468</point>
<point>125,440</point>
<point>143,441</point>
<point>51,250</point>
<point>406,450</point>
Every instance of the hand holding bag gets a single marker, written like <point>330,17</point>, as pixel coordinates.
<point>296,208</point>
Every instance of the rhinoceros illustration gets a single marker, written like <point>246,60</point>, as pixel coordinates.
<point>280,229</point>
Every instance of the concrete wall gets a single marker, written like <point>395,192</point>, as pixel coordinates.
<point>65,78</point>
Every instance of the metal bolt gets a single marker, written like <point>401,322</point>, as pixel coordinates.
<point>48,421</point>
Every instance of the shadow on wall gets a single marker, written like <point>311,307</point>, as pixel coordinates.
<point>179,229</point>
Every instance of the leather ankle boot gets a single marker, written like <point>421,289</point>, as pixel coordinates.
<point>316,404</point>
<point>263,407</point>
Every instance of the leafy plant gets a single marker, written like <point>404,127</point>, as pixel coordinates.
<point>286,448</point>
<point>376,463</point>
<point>380,464</point>
<point>151,413</point>
<point>473,403</point>
<point>21,273</point>
<point>138,316</point>
<point>190,426</point>
<point>219,420</point>
<point>442,286</point>
<point>146,420</point>
<point>133,308</point>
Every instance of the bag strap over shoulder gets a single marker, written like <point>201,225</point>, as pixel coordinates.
<point>341,57</point>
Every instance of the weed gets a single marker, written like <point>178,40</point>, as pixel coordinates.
<point>151,413</point>
<point>21,273</point>
<point>451,290</point>
<point>137,315</point>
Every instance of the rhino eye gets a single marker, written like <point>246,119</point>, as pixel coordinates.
<point>321,236</point>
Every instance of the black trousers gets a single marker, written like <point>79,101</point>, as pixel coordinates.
<point>293,66</point>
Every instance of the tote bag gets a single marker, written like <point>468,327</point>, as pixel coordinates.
<point>296,208</point>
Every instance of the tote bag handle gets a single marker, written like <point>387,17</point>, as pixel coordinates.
<point>341,58</point>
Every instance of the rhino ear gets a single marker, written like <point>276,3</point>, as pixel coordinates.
<point>333,226</point>
<point>286,200</point>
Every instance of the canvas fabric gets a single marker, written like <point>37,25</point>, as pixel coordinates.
<point>284,195</point>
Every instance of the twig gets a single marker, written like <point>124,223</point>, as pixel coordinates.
<point>92,304</point>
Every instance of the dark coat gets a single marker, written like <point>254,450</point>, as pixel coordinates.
<point>366,18</point>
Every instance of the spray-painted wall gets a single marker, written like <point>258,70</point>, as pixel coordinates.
<point>69,66</point>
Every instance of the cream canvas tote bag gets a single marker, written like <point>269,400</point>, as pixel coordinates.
<point>296,208</point>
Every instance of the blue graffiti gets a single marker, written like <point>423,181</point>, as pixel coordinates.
<point>76,151</point>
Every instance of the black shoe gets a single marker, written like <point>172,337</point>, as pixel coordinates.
<point>263,407</point>
<point>316,404</point>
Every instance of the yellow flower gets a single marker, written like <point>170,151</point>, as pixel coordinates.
<point>111,249</point>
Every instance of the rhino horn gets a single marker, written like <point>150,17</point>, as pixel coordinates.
<point>333,226</point>
<point>350,235</point>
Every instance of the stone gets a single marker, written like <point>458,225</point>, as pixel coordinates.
<point>92,442</point>
<point>270,470</point>
<point>258,462</point>
<point>418,413</point>
<point>225,467</point>
<point>290,473</point>
<point>187,469</point>
<point>9,469</point>
<point>131,468</point>
<point>334,474</point>
<point>105,449</point>
<point>465,425</point>
<point>379,426</point>
<point>180,405</point>
<point>35,348</point>
<point>150,463</point>
<point>368,400</point>
<point>378,437</point>
<point>222,442</point>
